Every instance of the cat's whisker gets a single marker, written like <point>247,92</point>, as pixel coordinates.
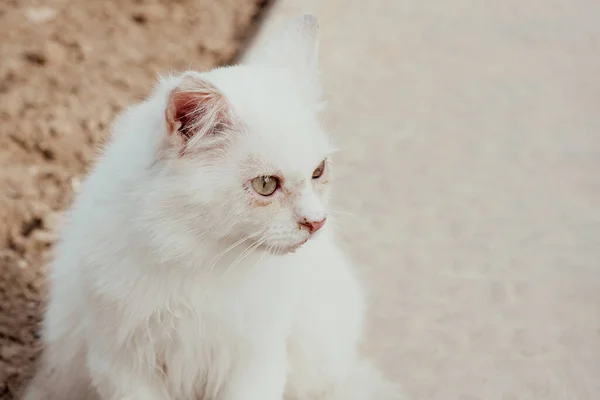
<point>228,249</point>
<point>342,222</point>
<point>344,233</point>
<point>338,226</point>
<point>241,256</point>
<point>344,213</point>
<point>260,260</point>
<point>250,249</point>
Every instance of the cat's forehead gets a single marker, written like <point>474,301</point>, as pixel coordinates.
<point>284,131</point>
<point>280,127</point>
<point>280,155</point>
<point>291,148</point>
<point>259,95</point>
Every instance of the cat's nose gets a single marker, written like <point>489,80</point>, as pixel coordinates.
<point>313,226</point>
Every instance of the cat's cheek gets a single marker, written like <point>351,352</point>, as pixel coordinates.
<point>256,202</point>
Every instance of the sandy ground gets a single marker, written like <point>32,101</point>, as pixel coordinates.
<point>66,68</point>
<point>470,132</point>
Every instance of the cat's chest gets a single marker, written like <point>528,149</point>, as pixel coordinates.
<point>216,323</point>
<point>203,310</point>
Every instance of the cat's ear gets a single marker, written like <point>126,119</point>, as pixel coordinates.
<point>196,112</point>
<point>293,45</point>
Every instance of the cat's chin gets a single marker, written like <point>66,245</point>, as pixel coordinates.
<point>283,250</point>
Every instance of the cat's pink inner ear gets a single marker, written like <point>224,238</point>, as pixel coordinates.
<point>195,109</point>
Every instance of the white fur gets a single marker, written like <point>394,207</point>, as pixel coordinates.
<point>155,294</point>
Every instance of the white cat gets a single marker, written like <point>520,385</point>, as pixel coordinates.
<point>197,263</point>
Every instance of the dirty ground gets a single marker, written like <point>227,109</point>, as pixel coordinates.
<point>66,69</point>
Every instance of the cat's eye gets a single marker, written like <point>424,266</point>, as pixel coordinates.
<point>318,172</point>
<point>265,185</point>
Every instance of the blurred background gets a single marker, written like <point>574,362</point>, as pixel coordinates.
<point>470,168</point>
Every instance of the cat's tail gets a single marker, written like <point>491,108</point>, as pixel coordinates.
<point>365,382</point>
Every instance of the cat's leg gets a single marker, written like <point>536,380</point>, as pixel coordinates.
<point>115,378</point>
<point>328,326</point>
<point>109,381</point>
<point>61,374</point>
<point>363,382</point>
<point>260,374</point>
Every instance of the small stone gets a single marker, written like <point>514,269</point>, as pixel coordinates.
<point>36,57</point>
<point>139,18</point>
<point>52,221</point>
<point>43,236</point>
<point>9,350</point>
<point>40,14</point>
<point>75,183</point>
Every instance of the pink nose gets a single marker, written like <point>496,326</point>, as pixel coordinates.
<point>313,226</point>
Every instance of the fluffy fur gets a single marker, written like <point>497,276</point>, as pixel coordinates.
<point>176,280</point>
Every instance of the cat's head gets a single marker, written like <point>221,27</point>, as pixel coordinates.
<point>245,155</point>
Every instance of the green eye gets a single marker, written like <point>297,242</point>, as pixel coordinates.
<point>319,171</point>
<point>265,185</point>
